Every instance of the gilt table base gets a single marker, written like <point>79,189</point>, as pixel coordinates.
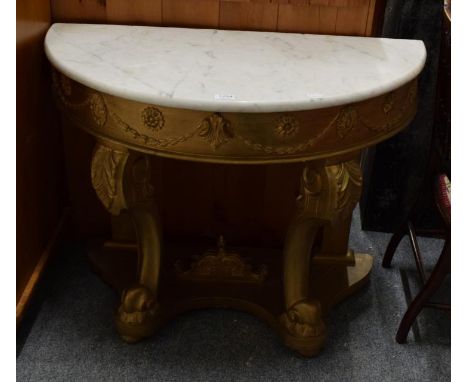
<point>330,284</point>
<point>287,295</point>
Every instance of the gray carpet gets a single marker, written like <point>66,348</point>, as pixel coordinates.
<point>72,337</point>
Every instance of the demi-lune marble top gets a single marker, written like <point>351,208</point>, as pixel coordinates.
<point>231,71</point>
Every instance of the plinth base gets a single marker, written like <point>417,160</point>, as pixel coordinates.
<point>182,288</point>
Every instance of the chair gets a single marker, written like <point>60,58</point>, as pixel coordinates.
<point>430,285</point>
<point>436,180</point>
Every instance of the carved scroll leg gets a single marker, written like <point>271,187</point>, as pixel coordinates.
<point>328,194</point>
<point>303,327</point>
<point>334,244</point>
<point>121,181</point>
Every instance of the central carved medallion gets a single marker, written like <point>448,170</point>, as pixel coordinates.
<point>216,130</point>
<point>221,266</point>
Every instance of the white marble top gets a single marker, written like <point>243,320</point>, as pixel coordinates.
<point>231,71</point>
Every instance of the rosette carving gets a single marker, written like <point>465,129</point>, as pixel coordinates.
<point>287,127</point>
<point>152,118</point>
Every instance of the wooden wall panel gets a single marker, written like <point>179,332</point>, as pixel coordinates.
<point>191,13</point>
<point>248,15</point>
<point>299,18</point>
<point>39,160</point>
<point>350,17</point>
<point>89,218</point>
<point>327,19</point>
<point>93,11</point>
<point>141,12</point>
<point>339,3</point>
<point>351,21</point>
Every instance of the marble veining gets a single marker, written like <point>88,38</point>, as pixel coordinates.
<point>231,71</point>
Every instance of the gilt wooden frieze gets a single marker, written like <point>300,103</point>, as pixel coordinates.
<point>237,137</point>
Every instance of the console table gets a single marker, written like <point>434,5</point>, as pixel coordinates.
<point>234,98</point>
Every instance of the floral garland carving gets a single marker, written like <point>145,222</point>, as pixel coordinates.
<point>217,130</point>
<point>388,107</point>
<point>287,150</point>
<point>63,89</point>
<point>59,93</point>
<point>160,142</point>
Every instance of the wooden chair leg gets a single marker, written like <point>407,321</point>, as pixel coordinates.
<point>436,278</point>
<point>393,244</point>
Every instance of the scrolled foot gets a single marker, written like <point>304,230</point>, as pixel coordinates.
<point>303,328</point>
<point>136,316</point>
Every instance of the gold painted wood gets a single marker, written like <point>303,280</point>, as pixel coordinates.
<point>121,180</point>
<point>329,284</point>
<point>328,194</point>
<point>247,138</point>
<point>327,141</point>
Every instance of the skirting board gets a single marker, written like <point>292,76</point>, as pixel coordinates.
<point>30,287</point>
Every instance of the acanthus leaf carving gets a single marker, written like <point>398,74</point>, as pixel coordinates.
<point>106,175</point>
<point>348,179</point>
<point>216,130</point>
<point>330,192</point>
<point>346,120</point>
<point>98,109</point>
